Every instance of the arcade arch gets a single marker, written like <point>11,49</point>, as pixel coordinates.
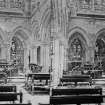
<point>17,54</point>
<point>18,51</point>
<point>99,56</point>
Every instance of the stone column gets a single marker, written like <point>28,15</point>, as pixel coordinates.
<point>4,51</point>
<point>41,56</point>
<point>34,55</point>
<point>26,59</point>
<point>55,74</point>
<point>92,54</point>
<point>27,7</point>
<point>61,60</point>
<point>8,52</point>
<point>46,58</point>
<point>87,55</point>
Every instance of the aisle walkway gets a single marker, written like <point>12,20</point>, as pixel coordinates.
<point>35,99</point>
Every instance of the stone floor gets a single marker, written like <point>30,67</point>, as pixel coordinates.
<point>35,99</point>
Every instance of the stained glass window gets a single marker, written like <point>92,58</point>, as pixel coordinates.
<point>85,4</point>
<point>77,50</point>
<point>17,53</point>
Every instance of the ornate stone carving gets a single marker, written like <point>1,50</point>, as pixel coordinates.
<point>85,4</point>
<point>91,5</point>
<point>36,28</point>
<point>12,4</point>
<point>38,4</point>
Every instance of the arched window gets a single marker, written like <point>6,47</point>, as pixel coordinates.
<point>77,50</point>
<point>17,54</point>
<point>85,4</point>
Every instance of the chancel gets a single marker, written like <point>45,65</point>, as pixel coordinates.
<point>52,52</point>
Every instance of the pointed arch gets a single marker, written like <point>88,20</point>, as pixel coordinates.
<point>77,46</point>
<point>45,21</point>
<point>78,43</point>
<point>99,53</point>
<point>22,34</point>
<point>82,32</point>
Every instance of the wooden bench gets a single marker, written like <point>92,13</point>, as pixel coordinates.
<point>76,91</point>
<point>17,104</point>
<point>8,88</point>
<point>3,78</point>
<point>38,76</point>
<point>76,79</point>
<point>76,95</point>
<point>76,99</point>
<point>37,87</point>
<point>11,96</point>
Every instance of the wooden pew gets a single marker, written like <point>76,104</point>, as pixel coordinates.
<point>76,79</point>
<point>17,104</point>
<point>76,91</point>
<point>77,99</point>
<point>77,95</point>
<point>11,96</point>
<point>3,77</point>
<point>35,87</point>
<point>38,76</point>
<point>8,88</point>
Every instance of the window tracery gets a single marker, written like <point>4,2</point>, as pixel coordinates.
<point>85,4</point>
<point>76,49</point>
<point>17,53</point>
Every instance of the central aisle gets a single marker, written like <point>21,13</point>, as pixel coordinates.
<point>35,99</point>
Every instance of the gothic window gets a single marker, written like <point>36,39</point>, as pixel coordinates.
<point>77,50</point>
<point>85,4</point>
<point>17,53</point>
<point>98,4</point>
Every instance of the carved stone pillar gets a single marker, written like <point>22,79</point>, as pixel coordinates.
<point>55,74</point>
<point>61,60</point>
<point>28,7</point>
<point>4,52</point>
<point>46,58</point>
<point>7,51</point>
<point>34,54</point>
<point>90,55</point>
<point>26,59</point>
